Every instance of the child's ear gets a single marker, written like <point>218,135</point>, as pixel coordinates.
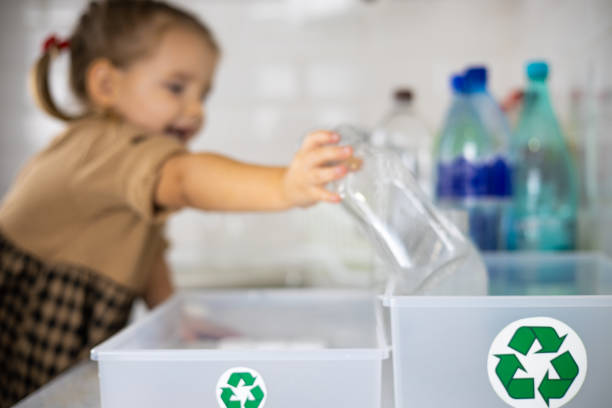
<point>102,83</point>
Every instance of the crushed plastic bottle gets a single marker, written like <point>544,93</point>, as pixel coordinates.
<point>425,253</point>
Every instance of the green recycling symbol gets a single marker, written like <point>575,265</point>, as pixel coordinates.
<point>241,387</point>
<point>509,364</point>
<point>545,375</point>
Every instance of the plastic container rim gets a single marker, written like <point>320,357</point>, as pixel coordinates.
<point>514,301</point>
<point>105,352</point>
<point>497,301</point>
<point>381,353</point>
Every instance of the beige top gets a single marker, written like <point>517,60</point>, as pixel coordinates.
<point>88,200</point>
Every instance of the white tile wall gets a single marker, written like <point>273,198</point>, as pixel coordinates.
<point>291,66</point>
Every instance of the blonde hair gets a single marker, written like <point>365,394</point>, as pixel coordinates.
<point>118,30</point>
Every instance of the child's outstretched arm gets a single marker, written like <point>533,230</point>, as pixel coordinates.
<point>214,182</point>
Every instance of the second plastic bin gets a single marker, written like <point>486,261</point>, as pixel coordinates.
<point>308,349</point>
<point>507,348</point>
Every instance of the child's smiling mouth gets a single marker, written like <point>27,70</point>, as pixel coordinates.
<point>182,134</point>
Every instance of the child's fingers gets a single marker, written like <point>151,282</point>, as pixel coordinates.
<point>326,174</point>
<point>319,138</point>
<point>329,154</point>
<point>321,194</point>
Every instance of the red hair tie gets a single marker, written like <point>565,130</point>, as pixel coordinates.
<point>53,41</point>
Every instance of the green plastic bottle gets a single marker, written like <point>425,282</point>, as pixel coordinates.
<point>545,202</point>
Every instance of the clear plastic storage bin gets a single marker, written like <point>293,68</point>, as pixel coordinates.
<point>448,351</point>
<point>247,349</point>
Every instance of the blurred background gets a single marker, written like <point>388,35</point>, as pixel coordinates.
<point>293,66</point>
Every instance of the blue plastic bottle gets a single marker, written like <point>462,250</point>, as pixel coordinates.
<point>464,154</point>
<point>544,208</point>
<point>499,172</point>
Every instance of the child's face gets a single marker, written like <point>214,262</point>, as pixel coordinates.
<point>165,91</point>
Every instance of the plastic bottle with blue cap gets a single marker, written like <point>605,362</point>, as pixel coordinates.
<point>499,169</point>
<point>467,164</point>
<point>498,129</point>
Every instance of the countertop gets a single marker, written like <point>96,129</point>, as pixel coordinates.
<point>77,387</point>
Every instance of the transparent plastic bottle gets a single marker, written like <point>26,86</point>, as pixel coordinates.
<point>498,129</point>
<point>424,252</point>
<point>544,208</point>
<point>468,169</point>
<point>499,168</point>
<point>403,132</point>
<point>489,111</point>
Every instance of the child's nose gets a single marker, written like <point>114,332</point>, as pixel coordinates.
<point>194,110</point>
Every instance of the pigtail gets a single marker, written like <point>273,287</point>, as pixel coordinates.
<point>110,29</point>
<point>39,79</point>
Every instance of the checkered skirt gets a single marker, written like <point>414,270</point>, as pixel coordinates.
<point>50,317</point>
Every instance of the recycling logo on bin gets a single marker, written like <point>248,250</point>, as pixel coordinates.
<point>537,362</point>
<point>241,387</point>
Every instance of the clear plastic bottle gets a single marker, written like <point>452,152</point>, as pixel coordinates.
<point>499,168</point>
<point>489,111</point>
<point>424,252</point>
<point>403,132</point>
<point>468,171</point>
<point>544,208</point>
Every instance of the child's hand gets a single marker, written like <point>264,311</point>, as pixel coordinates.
<point>318,162</point>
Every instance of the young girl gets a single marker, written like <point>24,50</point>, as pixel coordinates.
<point>81,228</point>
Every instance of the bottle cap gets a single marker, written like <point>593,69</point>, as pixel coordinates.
<point>458,83</point>
<point>537,70</point>
<point>476,78</point>
<point>403,95</point>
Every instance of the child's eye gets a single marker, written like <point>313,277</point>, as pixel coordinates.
<point>175,88</point>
